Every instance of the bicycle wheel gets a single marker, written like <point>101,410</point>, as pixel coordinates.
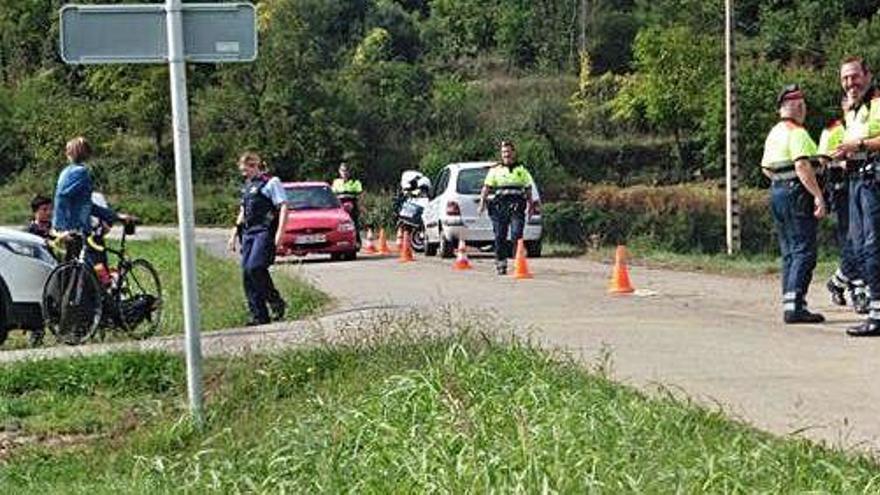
<point>139,299</point>
<point>72,303</point>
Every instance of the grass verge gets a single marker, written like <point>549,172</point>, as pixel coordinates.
<point>221,297</point>
<point>428,403</point>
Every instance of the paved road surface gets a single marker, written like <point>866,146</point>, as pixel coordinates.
<point>717,339</point>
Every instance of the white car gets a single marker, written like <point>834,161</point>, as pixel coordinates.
<point>452,212</point>
<point>25,264</point>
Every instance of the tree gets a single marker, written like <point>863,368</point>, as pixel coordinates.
<point>678,73</point>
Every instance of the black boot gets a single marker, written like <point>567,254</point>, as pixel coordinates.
<point>859,302</point>
<point>837,296</point>
<point>870,328</point>
<point>802,316</point>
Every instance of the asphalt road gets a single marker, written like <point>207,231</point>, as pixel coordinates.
<point>716,339</point>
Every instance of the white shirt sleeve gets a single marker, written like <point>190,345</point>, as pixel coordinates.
<point>275,191</point>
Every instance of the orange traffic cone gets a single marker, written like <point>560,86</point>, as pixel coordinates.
<point>520,266</point>
<point>620,283</point>
<point>369,247</point>
<point>399,240</point>
<point>406,254</point>
<point>461,260</point>
<point>383,243</point>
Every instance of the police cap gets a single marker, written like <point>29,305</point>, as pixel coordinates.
<point>789,92</point>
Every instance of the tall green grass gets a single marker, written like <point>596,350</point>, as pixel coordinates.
<point>431,404</point>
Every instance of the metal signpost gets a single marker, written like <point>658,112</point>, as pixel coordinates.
<point>173,33</point>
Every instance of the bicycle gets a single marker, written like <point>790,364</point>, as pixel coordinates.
<point>76,304</point>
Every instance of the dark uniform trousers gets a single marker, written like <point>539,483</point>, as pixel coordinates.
<point>507,214</point>
<point>257,254</point>
<point>864,218</point>
<point>792,207</point>
<point>849,262</point>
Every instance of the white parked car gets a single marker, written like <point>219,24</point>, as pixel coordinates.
<point>25,264</point>
<point>452,212</point>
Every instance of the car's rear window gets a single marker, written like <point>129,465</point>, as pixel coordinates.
<point>311,198</point>
<point>470,180</point>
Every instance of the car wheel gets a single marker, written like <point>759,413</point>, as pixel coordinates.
<point>533,248</point>
<point>350,256</point>
<point>336,256</point>
<point>446,247</point>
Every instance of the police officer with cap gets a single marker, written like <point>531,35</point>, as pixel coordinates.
<point>847,277</point>
<point>263,204</point>
<point>511,187</point>
<point>796,201</point>
<point>860,148</point>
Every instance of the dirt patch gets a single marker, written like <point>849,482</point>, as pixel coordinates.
<point>11,441</point>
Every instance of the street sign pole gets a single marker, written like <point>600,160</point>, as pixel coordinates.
<point>185,214</point>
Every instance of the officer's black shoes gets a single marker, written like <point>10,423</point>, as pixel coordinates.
<point>253,322</point>
<point>870,328</point>
<point>278,308</point>
<point>837,296</point>
<point>501,269</point>
<point>802,316</point>
<point>860,302</point>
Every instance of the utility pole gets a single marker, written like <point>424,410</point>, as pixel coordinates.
<point>583,38</point>
<point>731,153</point>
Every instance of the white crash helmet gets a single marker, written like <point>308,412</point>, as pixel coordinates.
<point>100,200</point>
<point>413,179</point>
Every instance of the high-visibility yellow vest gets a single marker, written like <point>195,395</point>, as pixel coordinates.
<point>503,179</point>
<point>831,138</point>
<point>786,143</point>
<point>350,187</point>
<point>863,122</point>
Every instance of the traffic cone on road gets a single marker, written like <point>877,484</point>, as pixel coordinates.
<point>369,247</point>
<point>520,265</point>
<point>399,240</point>
<point>620,283</point>
<point>383,243</point>
<point>461,260</point>
<point>406,254</point>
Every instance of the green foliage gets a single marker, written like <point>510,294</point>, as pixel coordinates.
<point>683,219</point>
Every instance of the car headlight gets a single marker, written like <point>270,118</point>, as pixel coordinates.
<point>29,250</point>
<point>346,226</point>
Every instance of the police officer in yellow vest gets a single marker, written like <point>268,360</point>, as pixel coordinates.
<point>510,186</point>
<point>796,201</point>
<point>860,148</point>
<point>847,278</point>
<point>349,192</point>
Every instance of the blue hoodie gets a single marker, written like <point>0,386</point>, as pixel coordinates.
<point>73,201</point>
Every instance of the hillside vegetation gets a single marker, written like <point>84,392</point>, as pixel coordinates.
<point>623,91</point>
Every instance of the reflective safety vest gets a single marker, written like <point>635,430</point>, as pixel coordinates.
<point>787,143</point>
<point>347,188</point>
<point>831,138</point>
<point>503,180</point>
<point>863,121</point>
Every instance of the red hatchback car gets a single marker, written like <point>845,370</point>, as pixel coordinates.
<point>316,223</point>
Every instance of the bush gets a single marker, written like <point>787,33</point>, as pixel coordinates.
<point>685,218</point>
